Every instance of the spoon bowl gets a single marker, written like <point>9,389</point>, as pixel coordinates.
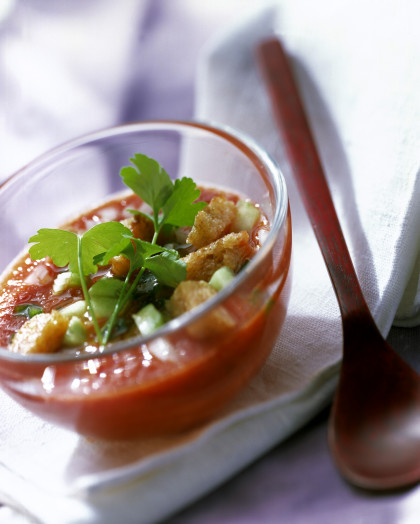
<point>374,428</point>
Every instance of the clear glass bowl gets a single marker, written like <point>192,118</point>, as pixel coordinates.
<point>184,374</point>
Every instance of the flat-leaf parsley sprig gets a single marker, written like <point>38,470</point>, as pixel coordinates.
<point>173,204</point>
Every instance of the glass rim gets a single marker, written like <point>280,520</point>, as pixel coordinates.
<point>264,164</point>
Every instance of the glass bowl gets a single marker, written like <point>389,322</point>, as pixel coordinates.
<point>183,374</point>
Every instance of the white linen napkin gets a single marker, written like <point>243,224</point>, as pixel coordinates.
<point>360,88</point>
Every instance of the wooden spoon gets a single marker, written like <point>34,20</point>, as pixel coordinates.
<point>374,428</point>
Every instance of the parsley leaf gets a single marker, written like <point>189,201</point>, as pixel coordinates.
<point>180,208</point>
<point>167,268</point>
<point>106,239</point>
<point>162,262</point>
<point>62,246</point>
<point>146,249</point>
<point>135,255</point>
<point>172,203</point>
<point>59,245</point>
<point>150,182</point>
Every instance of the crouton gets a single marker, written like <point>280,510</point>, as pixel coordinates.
<point>212,222</point>
<point>190,294</point>
<point>43,333</point>
<point>141,226</point>
<point>120,265</point>
<point>232,251</point>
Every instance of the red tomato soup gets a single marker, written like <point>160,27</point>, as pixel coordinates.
<point>168,381</point>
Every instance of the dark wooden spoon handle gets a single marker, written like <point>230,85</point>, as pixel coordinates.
<point>306,166</point>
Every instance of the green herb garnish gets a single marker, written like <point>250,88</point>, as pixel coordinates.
<point>27,310</point>
<point>173,205</point>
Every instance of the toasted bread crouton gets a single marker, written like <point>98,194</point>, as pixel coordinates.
<point>43,333</point>
<point>190,294</point>
<point>212,222</point>
<point>120,265</point>
<point>141,226</point>
<point>232,251</point>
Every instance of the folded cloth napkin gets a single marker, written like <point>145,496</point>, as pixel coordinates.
<point>360,89</point>
<point>358,86</point>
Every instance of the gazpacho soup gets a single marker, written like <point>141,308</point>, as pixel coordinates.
<point>136,316</point>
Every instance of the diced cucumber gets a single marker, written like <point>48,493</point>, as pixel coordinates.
<point>77,309</point>
<point>27,310</point>
<point>148,319</point>
<point>221,278</point>
<point>76,333</point>
<point>65,280</point>
<point>246,217</point>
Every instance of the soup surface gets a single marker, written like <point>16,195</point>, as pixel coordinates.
<point>120,270</point>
